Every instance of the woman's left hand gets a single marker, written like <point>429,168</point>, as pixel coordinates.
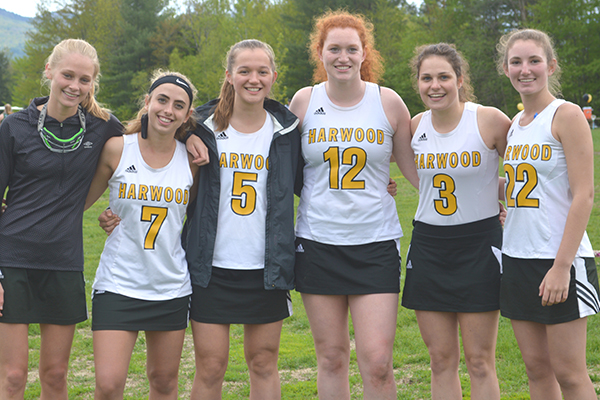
<point>502,214</point>
<point>196,147</point>
<point>554,288</point>
<point>392,188</point>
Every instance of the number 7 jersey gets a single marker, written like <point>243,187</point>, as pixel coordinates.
<point>538,195</point>
<point>344,199</point>
<point>143,257</point>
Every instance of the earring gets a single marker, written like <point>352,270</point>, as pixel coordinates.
<point>144,122</point>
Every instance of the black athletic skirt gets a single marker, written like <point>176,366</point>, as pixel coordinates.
<point>347,270</point>
<point>239,297</point>
<point>519,295</point>
<point>454,268</point>
<point>115,312</point>
<point>33,296</point>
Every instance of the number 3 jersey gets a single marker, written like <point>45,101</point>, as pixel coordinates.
<point>538,195</point>
<point>143,257</point>
<point>344,199</point>
<point>458,173</point>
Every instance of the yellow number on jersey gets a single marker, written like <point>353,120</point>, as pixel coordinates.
<point>245,204</point>
<point>354,156</point>
<point>446,205</point>
<point>160,214</point>
<point>525,173</point>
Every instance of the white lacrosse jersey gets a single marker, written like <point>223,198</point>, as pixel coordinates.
<point>143,257</point>
<point>458,173</point>
<point>347,151</point>
<point>244,165</point>
<point>538,195</point>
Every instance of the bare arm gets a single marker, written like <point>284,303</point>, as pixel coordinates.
<point>299,103</point>
<point>493,126</point>
<point>572,130</point>
<point>399,117</point>
<point>109,160</point>
<point>196,147</point>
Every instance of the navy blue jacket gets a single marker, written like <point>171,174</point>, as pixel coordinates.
<point>285,169</point>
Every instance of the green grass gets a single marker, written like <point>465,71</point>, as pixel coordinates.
<point>297,362</point>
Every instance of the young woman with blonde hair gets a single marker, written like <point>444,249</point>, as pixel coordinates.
<point>48,155</point>
<point>240,233</point>
<point>550,282</point>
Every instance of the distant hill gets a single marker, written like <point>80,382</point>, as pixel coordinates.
<point>12,32</point>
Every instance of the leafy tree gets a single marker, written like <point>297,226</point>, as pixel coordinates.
<point>397,33</point>
<point>575,27</point>
<point>132,54</point>
<point>207,34</point>
<point>5,77</point>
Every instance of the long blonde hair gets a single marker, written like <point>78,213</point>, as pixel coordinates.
<point>135,125</point>
<point>224,109</point>
<point>79,46</point>
<point>541,39</point>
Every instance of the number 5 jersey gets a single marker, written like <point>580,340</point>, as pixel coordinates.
<point>143,257</point>
<point>538,195</point>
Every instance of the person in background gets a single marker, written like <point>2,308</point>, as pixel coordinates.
<point>7,111</point>
<point>550,283</point>
<point>347,246</point>
<point>48,156</point>
<point>453,266</point>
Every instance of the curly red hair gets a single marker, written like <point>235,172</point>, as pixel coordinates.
<point>371,69</point>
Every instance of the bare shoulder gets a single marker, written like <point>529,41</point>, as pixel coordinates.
<point>493,126</point>
<point>112,150</point>
<point>114,144</point>
<point>300,101</point>
<point>414,123</point>
<point>567,111</point>
<point>491,115</point>
<point>390,98</point>
<point>394,107</point>
<point>569,121</point>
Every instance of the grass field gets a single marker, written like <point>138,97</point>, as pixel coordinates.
<point>297,362</point>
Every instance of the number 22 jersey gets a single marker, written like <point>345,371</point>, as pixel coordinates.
<point>143,257</point>
<point>538,195</point>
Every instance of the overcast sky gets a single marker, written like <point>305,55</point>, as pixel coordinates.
<point>28,8</point>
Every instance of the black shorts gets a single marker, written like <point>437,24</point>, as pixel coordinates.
<point>115,312</point>
<point>347,270</point>
<point>454,268</point>
<point>33,296</point>
<point>519,293</point>
<point>239,297</point>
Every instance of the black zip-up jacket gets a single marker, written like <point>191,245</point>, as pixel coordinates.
<point>285,169</point>
<point>42,226</point>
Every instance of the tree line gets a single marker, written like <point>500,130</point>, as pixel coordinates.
<point>134,37</point>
